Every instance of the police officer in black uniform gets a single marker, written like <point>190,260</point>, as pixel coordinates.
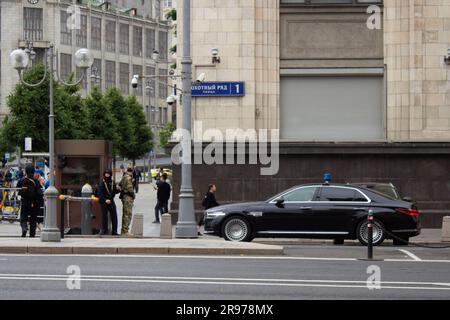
<point>107,190</point>
<point>31,195</point>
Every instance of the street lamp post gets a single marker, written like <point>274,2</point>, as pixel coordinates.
<point>186,225</point>
<point>19,59</point>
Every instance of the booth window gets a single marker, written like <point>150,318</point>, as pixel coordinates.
<point>79,171</point>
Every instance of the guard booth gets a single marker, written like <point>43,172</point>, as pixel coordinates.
<point>79,162</point>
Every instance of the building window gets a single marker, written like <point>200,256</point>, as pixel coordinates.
<point>96,33</point>
<point>163,45</point>
<point>110,36</point>
<point>153,115</point>
<point>149,42</point>
<point>137,41</point>
<point>66,33</point>
<point>162,84</point>
<point>164,116</point>
<point>66,65</point>
<point>82,32</point>
<point>160,115</point>
<point>33,29</point>
<point>151,71</point>
<point>124,78</point>
<point>138,70</point>
<point>124,39</point>
<point>97,71</point>
<point>110,74</point>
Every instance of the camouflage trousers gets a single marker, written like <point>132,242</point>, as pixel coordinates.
<point>127,214</point>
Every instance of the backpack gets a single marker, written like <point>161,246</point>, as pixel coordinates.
<point>32,192</point>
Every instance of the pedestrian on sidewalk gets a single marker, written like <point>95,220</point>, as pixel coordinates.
<point>40,203</point>
<point>127,196</point>
<point>107,190</point>
<point>31,195</point>
<point>136,178</point>
<point>209,201</point>
<point>163,196</point>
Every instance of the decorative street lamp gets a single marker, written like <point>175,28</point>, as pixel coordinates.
<point>19,59</point>
<point>95,76</point>
<point>186,225</point>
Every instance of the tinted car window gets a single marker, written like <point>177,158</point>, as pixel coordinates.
<point>301,194</point>
<point>341,194</point>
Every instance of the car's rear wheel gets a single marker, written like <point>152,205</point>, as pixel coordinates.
<point>236,229</point>
<point>378,232</point>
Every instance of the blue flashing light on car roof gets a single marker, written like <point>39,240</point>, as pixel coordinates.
<point>327,177</point>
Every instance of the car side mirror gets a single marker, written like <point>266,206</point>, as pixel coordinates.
<point>407,199</point>
<point>279,202</point>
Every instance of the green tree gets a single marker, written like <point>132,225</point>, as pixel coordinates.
<point>118,106</point>
<point>29,110</point>
<point>141,137</point>
<point>166,133</point>
<point>100,123</point>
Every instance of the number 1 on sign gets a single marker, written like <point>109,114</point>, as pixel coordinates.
<point>237,89</point>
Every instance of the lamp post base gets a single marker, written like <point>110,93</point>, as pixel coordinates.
<point>51,235</point>
<point>186,230</point>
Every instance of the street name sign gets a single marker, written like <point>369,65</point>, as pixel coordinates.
<point>218,89</point>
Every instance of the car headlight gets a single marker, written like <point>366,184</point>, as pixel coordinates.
<point>215,214</point>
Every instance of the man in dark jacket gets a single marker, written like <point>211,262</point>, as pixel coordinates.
<point>136,178</point>
<point>210,199</point>
<point>107,190</point>
<point>163,196</point>
<point>31,195</point>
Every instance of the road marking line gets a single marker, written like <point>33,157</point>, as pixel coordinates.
<point>226,283</point>
<point>85,277</point>
<point>410,254</point>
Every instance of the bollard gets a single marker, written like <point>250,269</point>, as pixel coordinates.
<point>446,229</point>
<point>166,226</point>
<point>137,225</point>
<point>86,210</point>
<point>370,235</point>
<point>62,218</point>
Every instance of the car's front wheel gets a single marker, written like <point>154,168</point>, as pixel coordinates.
<point>378,233</point>
<point>236,229</point>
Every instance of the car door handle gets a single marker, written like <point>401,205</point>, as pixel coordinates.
<point>305,208</point>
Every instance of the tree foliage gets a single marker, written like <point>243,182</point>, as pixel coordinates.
<point>166,133</point>
<point>141,135</point>
<point>29,111</point>
<point>108,116</point>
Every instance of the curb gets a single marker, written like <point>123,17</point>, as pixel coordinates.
<point>68,250</point>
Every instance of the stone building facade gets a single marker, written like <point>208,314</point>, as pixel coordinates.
<point>417,36</point>
<point>247,36</point>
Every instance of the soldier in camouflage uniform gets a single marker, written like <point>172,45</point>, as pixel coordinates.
<point>127,196</point>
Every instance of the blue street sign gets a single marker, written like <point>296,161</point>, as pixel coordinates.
<point>218,89</point>
<point>7,156</point>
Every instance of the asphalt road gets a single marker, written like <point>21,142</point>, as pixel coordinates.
<point>321,273</point>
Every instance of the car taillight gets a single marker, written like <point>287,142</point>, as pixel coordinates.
<point>410,212</point>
